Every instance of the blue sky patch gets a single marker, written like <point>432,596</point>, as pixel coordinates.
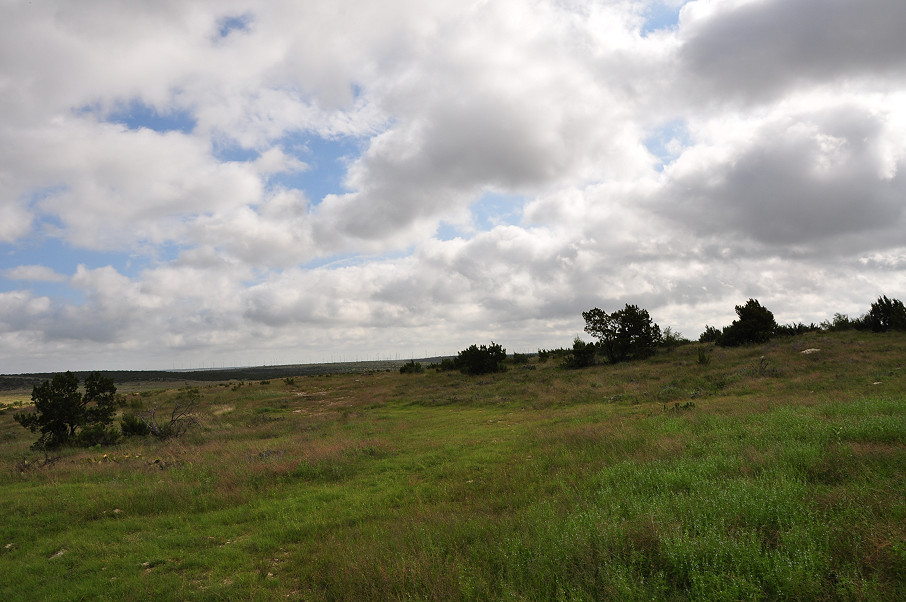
<point>328,160</point>
<point>492,209</point>
<point>660,16</point>
<point>62,258</point>
<point>666,142</point>
<point>136,114</point>
<point>228,25</point>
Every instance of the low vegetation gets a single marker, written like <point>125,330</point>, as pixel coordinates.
<point>768,471</point>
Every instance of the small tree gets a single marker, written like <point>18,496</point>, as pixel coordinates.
<point>710,335</point>
<point>60,410</point>
<point>756,324</point>
<point>482,359</point>
<point>626,334</point>
<point>887,314</point>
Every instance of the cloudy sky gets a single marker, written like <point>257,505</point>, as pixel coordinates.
<point>229,182</point>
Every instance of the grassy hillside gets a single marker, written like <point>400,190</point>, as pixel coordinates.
<point>764,473</point>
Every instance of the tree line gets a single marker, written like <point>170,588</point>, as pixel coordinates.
<point>64,415</point>
<point>630,334</point>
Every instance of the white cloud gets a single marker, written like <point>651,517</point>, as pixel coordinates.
<point>801,176</point>
<point>758,49</point>
<point>35,273</point>
<point>783,136</point>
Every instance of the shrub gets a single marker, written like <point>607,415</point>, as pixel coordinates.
<point>795,329</point>
<point>482,359</point>
<point>446,364</point>
<point>887,314</point>
<point>756,324</point>
<point>582,354</point>
<point>520,358</point>
<point>133,426</point>
<point>840,322</point>
<point>411,367</point>
<point>670,339</point>
<point>96,434</point>
<point>626,334</point>
<point>545,354</point>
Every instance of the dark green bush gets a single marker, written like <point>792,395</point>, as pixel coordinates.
<point>483,359</point>
<point>790,330</point>
<point>96,434</point>
<point>546,354</point>
<point>411,367</point>
<point>582,355</point>
<point>447,364</point>
<point>710,335</point>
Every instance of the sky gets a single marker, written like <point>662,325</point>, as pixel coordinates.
<point>231,183</point>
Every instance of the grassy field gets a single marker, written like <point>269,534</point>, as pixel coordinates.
<point>765,473</point>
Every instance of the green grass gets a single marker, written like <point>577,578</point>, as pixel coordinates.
<point>764,474</point>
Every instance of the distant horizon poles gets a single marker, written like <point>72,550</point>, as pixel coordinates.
<point>331,358</point>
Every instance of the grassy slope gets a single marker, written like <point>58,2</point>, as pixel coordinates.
<point>785,479</point>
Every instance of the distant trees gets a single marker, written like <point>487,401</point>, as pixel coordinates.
<point>756,323</point>
<point>623,335</point>
<point>883,315</point>
<point>64,415</point>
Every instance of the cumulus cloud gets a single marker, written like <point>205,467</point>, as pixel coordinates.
<point>795,178</point>
<point>755,50</point>
<point>276,179</point>
<point>35,273</point>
